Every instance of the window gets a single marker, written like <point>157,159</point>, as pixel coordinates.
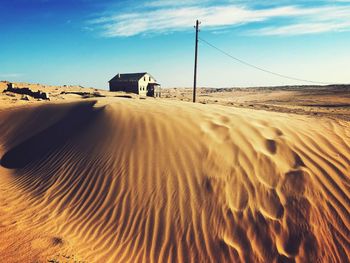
<point>149,78</point>
<point>144,78</point>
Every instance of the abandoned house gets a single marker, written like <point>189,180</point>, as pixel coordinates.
<point>140,83</point>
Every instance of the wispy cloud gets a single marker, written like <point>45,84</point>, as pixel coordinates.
<point>328,19</point>
<point>167,3</point>
<point>303,29</point>
<point>10,75</point>
<point>170,16</point>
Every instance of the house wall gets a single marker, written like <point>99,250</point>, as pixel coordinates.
<point>127,86</point>
<point>143,83</point>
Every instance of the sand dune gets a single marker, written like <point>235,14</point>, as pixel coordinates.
<point>122,180</point>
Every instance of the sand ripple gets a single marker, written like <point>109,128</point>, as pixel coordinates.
<point>137,181</point>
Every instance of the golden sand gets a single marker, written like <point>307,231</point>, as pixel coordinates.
<point>122,180</point>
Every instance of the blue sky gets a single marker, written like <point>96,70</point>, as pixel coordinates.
<point>87,42</point>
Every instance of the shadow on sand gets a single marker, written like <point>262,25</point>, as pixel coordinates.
<point>45,142</point>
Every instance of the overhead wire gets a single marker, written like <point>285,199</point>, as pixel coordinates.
<point>259,68</point>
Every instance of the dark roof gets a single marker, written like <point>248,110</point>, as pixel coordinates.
<point>129,76</point>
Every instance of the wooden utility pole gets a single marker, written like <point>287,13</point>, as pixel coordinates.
<point>195,62</point>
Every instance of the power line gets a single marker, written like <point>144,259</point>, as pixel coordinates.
<point>261,69</point>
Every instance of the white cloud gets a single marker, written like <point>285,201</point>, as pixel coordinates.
<point>332,19</point>
<point>303,29</point>
<point>170,16</point>
<point>10,75</point>
<point>167,3</point>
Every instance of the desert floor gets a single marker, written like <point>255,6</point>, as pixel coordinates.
<point>256,175</point>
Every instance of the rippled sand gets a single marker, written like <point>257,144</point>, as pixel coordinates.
<point>121,180</point>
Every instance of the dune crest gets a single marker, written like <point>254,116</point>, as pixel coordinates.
<point>132,181</point>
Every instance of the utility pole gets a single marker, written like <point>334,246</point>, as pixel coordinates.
<point>195,62</point>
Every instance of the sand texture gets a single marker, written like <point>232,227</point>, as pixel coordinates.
<point>126,180</point>
<point>326,101</point>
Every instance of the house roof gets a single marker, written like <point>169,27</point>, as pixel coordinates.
<point>129,76</point>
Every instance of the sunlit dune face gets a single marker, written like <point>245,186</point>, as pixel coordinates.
<point>123,180</point>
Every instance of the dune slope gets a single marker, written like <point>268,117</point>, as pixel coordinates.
<point>130,181</point>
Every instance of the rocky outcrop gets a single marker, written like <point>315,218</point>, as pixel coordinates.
<point>26,91</point>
